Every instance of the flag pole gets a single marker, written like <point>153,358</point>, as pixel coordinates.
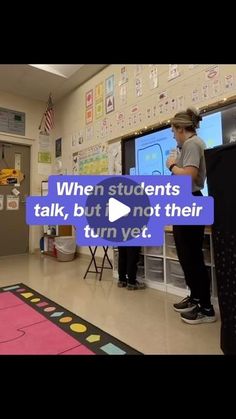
<point>40,125</point>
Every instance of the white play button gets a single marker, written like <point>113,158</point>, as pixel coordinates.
<point>117,210</point>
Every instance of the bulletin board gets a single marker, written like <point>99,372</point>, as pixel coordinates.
<point>91,161</point>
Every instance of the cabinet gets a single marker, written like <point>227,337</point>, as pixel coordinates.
<point>159,267</point>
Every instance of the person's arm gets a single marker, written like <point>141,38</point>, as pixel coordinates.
<point>188,170</point>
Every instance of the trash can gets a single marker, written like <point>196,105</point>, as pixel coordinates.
<point>65,247</point>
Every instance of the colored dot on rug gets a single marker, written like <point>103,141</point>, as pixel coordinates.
<point>65,319</point>
<point>78,327</point>
<point>49,309</point>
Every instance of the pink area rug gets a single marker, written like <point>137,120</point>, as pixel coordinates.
<point>32,324</point>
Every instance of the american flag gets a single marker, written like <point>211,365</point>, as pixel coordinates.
<point>48,116</point>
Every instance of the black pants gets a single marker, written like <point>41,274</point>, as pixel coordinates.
<point>189,241</point>
<point>127,263</point>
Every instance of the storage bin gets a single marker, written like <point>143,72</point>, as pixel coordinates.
<point>154,264</point>
<point>65,257</point>
<point>175,268</point>
<point>156,276</point>
<point>154,269</point>
<point>170,239</point>
<point>171,251</point>
<point>178,281</point>
<point>65,247</point>
<point>154,250</point>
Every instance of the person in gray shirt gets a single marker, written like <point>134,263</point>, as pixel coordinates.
<point>197,307</point>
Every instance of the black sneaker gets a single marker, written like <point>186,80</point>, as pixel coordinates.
<point>185,305</point>
<point>122,284</point>
<point>136,286</point>
<point>199,315</point>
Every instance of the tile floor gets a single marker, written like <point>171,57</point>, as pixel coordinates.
<point>143,319</point>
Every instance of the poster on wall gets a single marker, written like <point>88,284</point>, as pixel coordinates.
<point>124,75</point>
<point>148,113</point>
<point>109,85</point>
<point>205,91</point>
<point>89,98</point>
<point>75,167</point>
<point>89,132</point>
<point>12,203</point>
<point>173,71</point>
<point>89,115</point>
<point>120,119</point>
<point>212,73</point>
<point>137,69</point>
<point>99,101</point>
<point>91,161</point>
<point>44,158</point>
<point>77,138</point>
<point>58,169</point>
<point>173,104</point>
<point>215,88</point>
<point>110,104</point>
<point>229,82</point>
<point>123,95</point>
<point>44,143</point>
<point>73,140</point>
<point>99,91</point>
<point>138,86</point>
<point>104,128</point>
<point>1,202</point>
<point>180,102</point>
<point>163,102</point>
<point>114,158</point>
<point>195,95</point>
<point>44,151</point>
<point>80,138</point>
<point>58,144</point>
<point>99,109</point>
<point>163,95</point>
<point>153,76</point>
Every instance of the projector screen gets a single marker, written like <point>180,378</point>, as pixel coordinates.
<point>147,154</point>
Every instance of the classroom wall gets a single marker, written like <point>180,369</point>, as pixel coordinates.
<point>145,96</point>
<point>143,106</point>
<point>33,110</point>
<point>141,102</point>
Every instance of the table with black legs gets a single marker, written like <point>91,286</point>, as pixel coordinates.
<point>98,269</point>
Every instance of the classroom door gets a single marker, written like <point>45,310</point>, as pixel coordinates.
<point>14,231</point>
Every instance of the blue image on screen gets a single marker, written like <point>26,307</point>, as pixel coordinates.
<point>132,171</point>
<point>211,130</point>
<point>151,152</point>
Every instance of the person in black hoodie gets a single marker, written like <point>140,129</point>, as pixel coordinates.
<point>127,268</point>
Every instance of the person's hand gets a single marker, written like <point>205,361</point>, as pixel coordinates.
<point>170,161</point>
